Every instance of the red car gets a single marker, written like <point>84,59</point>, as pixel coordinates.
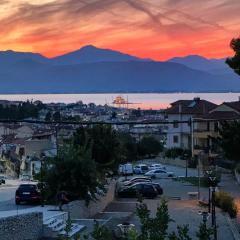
<point>28,193</point>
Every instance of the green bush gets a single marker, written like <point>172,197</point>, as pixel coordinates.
<point>177,152</point>
<point>226,202</point>
<point>238,168</point>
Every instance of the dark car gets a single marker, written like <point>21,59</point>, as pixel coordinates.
<point>156,185</point>
<point>143,189</point>
<point>28,193</point>
<point>2,180</point>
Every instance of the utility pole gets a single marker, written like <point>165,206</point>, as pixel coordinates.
<point>191,144</point>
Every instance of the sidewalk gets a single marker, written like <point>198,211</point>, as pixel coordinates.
<point>48,211</point>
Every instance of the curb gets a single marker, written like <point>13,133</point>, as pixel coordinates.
<point>233,228</point>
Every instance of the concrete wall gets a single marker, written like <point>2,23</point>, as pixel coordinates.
<point>22,227</point>
<point>181,130</point>
<point>78,209</point>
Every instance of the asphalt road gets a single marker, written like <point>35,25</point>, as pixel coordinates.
<point>7,196</point>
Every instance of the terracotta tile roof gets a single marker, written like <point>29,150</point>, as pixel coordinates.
<point>194,107</point>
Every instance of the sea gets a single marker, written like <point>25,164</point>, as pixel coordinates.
<point>135,100</point>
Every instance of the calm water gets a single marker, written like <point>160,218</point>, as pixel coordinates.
<point>142,100</point>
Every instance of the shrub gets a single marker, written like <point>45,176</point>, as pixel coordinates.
<point>177,152</point>
<point>238,168</point>
<point>226,202</point>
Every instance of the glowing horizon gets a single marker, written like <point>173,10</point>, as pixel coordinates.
<point>157,29</point>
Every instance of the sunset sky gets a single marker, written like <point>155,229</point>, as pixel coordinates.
<point>158,29</point>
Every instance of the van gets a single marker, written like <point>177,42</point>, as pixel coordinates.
<point>140,169</point>
<point>125,169</point>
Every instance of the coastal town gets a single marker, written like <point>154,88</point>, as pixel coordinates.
<point>119,120</point>
<point>174,149</point>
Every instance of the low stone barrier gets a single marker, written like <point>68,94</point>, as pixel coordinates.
<point>79,209</point>
<point>27,226</point>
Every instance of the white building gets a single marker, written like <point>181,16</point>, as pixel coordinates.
<point>179,134</point>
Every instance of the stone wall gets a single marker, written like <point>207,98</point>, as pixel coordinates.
<point>22,227</point>
<point>79,210</point>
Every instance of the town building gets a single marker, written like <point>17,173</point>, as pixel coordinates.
<point>179,135</point>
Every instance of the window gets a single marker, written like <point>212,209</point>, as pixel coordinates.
<point>175,124</point>
<point>175,139</point>
<point>147,187</point>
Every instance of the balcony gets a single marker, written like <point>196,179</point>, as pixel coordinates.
<point>204,134</point>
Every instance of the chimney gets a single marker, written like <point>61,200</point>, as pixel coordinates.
<point>196,99</point>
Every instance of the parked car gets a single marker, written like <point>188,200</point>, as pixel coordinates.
<point>126,169</point>
<point>25,178</point>
<point>27,193</point>
<point>140,169</point>
<point>157,166</point>
<point>2,180</point>
<point>159,173</point>
<point>156,185</point>
<point>144,189</point>
<point>137,180</point>
<point>131,181</point>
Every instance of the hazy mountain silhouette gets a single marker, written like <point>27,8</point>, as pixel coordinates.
<point>90,54</point>
<point>215,66</point>
<point>91,69</point>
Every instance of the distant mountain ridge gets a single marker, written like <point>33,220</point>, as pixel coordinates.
<point>215,66</point>
<point>91,69</point>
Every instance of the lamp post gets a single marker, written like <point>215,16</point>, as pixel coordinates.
<point>41,179</point>
<point>214,222</point>
<point>205,216</point>
<point>209,172</point>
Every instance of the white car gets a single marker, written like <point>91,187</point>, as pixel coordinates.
<point>157,166</point>
<point>140,169</point>
<point>159,173</point>
<point>126,169</point>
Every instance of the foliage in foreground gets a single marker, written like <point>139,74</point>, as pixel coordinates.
<point>234,62</point>
<point>229,140</point>
<point>226,202</point>
<point>152,228</point>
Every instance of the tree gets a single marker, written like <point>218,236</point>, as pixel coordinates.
<point>149,146</point>
<point>128,147</point>
<point>204,232</point>
<point>72,168</point>
<point>234,62</point>
<point>105,144</point>
<point>229,140</point>
<point>48,116</point>
<point>56,116</point>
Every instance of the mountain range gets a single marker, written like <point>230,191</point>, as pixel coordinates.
<point>92,69</point>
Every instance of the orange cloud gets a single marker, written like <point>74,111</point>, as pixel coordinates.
<point>158,29</point>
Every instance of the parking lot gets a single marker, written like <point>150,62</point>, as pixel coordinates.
<point>182,209</point>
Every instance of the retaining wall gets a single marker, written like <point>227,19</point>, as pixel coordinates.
<point>79,210</point>
<point>22,227</point>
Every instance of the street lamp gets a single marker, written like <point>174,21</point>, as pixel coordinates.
<point>205,216</point>
<point>41,179</point>
<point>212,180</point>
